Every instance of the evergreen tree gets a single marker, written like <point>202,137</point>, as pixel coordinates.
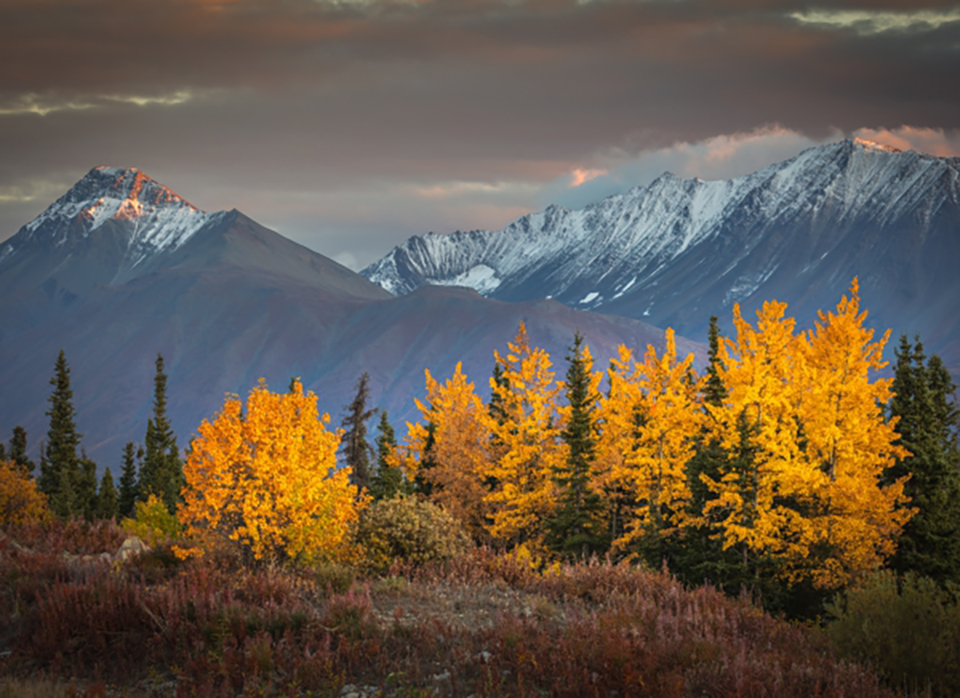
<point>162,470</point>
<point>60,465</point>
<point>129,492</point>
<point>422,483</point>
<point>577,528</point>
<point>85,488</point>
<point>928,422</point>
<point>495,406</point>
<point>388,481</point>
<point>18,450</point>
<point>3,452</point>
<point>107,501</point>
<point>356,450</point>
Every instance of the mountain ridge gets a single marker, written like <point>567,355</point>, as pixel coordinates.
<point>677,251</point>
<point>230,304</point>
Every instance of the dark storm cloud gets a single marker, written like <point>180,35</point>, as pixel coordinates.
<point>353,124</point>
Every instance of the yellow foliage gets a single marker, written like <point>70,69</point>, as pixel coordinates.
<point>20,500</point>
<point>459,449</point>
<point>804,423</point>
<point>650,417</point>
<point>527,444</point>
<point>265,478</point>
<point>848,439</point>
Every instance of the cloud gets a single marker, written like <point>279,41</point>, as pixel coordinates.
<point>726,156</point>
<point>875,22</point>
<point>43,105</point>
<point>934,141</point>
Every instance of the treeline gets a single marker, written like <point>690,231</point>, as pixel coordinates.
<point>787,468</point>
<point>67,481</point>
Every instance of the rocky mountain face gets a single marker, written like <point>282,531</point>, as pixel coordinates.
<point>120,268</point>
<point>677,251</point>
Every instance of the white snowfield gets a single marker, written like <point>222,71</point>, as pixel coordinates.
<point>619,243</point>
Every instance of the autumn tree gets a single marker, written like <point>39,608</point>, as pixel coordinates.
<point>161,472</point>
<point>263,477</point>
<point>652,416</point>
<point>356,449</point>
<point>577,527</point>
<point>20,500</point>
<point>848,445</point>
<point>527,444</point>
<point>453,437</point>
<point>926,417</point>
<point>808,444</point>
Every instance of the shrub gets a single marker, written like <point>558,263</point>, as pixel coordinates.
<point>908,628</point>
<point>20,501</point>
<point>152,522</point>
<point>408,530</point>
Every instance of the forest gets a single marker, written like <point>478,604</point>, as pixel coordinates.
<point>785,522</point>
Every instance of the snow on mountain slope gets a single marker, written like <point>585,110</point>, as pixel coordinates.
<point>155,218</point>
<point>679,250</point>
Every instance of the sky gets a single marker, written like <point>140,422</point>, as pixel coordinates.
<point>349,125</point>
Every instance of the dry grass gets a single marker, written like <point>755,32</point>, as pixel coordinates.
<point>481,624</point>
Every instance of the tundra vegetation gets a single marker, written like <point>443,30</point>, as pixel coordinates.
<point>784,524</point>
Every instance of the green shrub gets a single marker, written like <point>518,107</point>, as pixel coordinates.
<point>152,523</point>
<point>408,530</point>
<point>908,628</point>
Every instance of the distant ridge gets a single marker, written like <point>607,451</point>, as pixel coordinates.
<point>121,268</point>
<point>677,251</point>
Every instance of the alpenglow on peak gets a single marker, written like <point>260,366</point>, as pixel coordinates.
<point>158,217</point>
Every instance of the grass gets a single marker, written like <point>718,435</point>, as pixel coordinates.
<point>481,624</point>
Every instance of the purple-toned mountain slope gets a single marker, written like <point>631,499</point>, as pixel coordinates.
<point>120,268</point>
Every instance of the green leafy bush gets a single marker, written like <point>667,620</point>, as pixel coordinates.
<point>152,523</point>
<point>908,628</point>
<point>408,530</point>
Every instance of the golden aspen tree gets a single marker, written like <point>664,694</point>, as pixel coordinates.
<point>652,417</point>
<point>758,504</point>
<point>265,478</point>
<point>847,439</point>
<point>21,502</point>
<point>458,444</point>
<point>526,433</point>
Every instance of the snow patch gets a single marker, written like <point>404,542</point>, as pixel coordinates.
<point>481,278</point>
<point>593,295</point>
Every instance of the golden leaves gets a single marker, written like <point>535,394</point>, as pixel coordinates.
<point>265,478</point>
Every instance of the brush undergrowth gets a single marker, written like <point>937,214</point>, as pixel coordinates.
<point>479,624</point>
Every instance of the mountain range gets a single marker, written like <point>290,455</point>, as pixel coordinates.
<point>677,251</point>
<point>121,268</point>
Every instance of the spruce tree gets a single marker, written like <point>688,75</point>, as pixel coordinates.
<point>928,421</point>
<point>162,470</point>
<point>356,450</point>
<point>388,481</point>
<point>85,488</point>
<point>18,450</point>
<point>576,529</point>
<point>60,464</point>
<point>107,500</point>
<point>129,491</point>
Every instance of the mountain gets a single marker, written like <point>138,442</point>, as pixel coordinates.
<point>121,268</point>
<point>677,251</point>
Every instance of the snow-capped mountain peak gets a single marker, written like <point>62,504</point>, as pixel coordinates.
<point>677,250</point>
<point>157,217</point>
